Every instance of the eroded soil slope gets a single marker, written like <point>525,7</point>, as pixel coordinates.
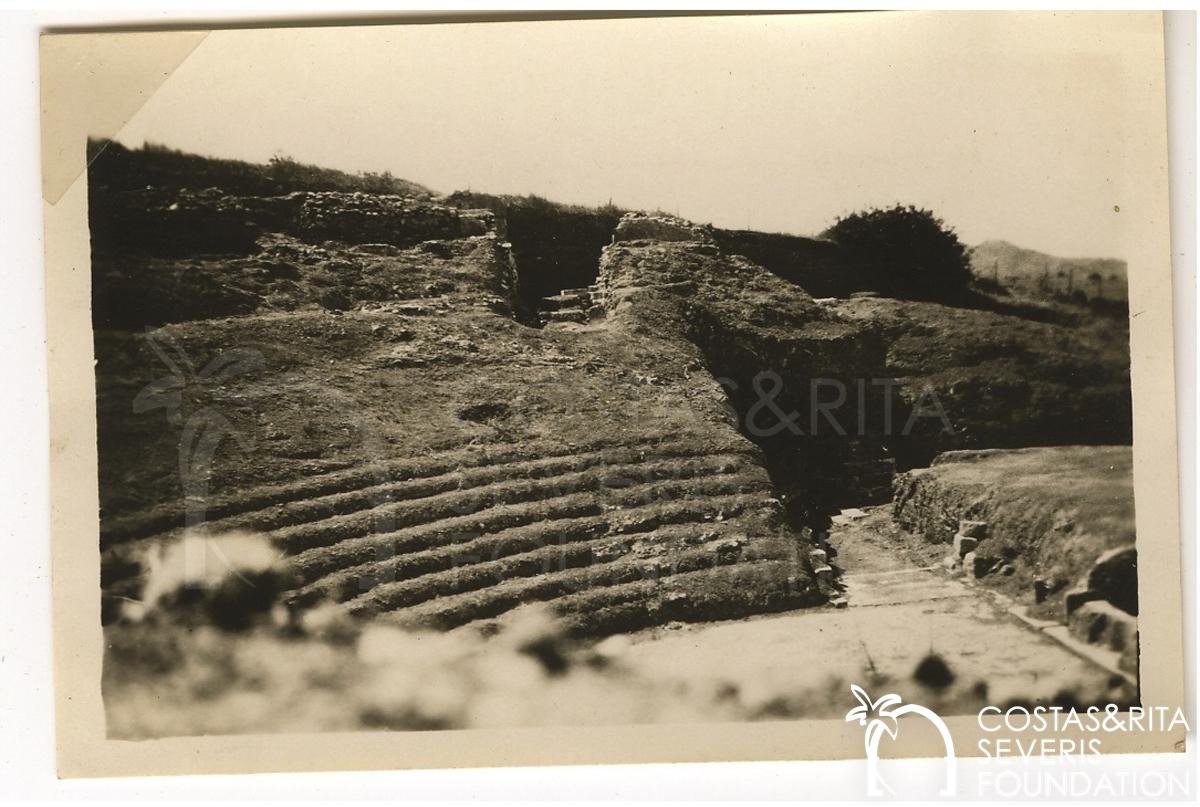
<point>986,379</point>
<point>1051,513</point>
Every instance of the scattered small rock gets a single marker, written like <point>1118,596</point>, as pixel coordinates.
<point>485,412</point>
<point>334,300</point>
<point>438,288</point>
<point>1041,590</point>
<point>728,550</point>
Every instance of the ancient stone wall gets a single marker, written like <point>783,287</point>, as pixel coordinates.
<point>768,343</point>
<point>555,246</point>
<point>821,268</point>
<point>359,218</point>
<point>170,222</point>
<point>187,222</point>
<point>649,227</point>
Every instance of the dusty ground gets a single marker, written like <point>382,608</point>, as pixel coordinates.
<point>900,611</point>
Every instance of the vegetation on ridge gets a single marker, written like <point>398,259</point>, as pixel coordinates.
<point>112,165</point>
<point>911,250</point>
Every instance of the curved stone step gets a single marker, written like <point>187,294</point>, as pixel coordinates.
<point>314,509</point>
<point>669,542</point>
<point>624,513</point>
<point>566,299</point>
<point>168,517</point>
<point>576,314</point>
<point>444,613</point>
<point>344,584</point>
<point>394,515</point>
<point>726,592</point>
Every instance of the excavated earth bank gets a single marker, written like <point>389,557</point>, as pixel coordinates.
<point>1051,515</point>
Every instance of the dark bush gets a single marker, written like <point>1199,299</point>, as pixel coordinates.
<point>910,251</point>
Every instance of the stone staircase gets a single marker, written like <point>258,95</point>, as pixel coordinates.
<point>867,474</point>
<point>581,305</point>
<point>610,533</point>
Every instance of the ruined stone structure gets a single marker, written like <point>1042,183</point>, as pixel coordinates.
<point>439,412</point>
<point>1054,523</point>
<point>484,463</point>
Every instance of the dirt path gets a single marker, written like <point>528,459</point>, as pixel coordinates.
<point>901,611</point>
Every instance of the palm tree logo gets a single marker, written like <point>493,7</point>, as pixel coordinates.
<point>882,717</point>
<point>202,432</point>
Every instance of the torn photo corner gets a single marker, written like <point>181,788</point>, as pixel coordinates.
<point>523,392</point>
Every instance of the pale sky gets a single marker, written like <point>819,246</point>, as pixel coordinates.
<point>1021,127</point>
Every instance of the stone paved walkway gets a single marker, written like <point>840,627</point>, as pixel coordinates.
<point>898,614</point>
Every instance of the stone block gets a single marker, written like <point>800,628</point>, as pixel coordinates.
<point>1114,575</point>
<point>1129,657</point>
<point>1101,622</point>
<point>1122,630</point>
<point>1074,598</point>
<point>1041,589</point>
<point>643,227</point>
<point>566,315</point>
<point>973,529</point>
<point>978,565</point>
<point>964,544</point>
<point>728,550</point>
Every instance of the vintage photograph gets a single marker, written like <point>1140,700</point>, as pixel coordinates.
<point>618,372</point>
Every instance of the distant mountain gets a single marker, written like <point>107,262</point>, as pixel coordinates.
<point>1036,273</point>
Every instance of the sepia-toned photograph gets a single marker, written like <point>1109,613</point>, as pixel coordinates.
<point>625,372</point>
